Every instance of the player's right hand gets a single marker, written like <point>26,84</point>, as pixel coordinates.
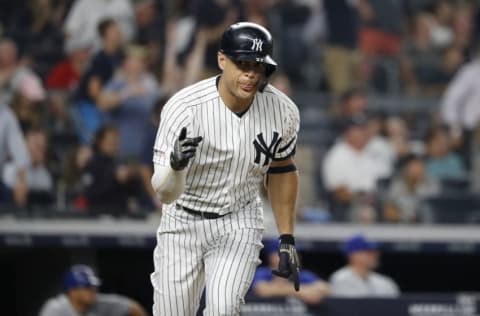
<point>183,150</point>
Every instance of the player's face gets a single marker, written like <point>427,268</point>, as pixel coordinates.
<point>241,77</point>
<point>367,259</point>
<point>110,143</point>
<point>84,296</point>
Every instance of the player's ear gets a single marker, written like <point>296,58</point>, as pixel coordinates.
<point>221,60</point>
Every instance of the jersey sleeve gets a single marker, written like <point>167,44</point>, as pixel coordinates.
<point>291,126</point>
<point>174,117</point>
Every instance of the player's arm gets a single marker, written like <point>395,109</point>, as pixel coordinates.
<point>282,188</point>
<point>169,181</point>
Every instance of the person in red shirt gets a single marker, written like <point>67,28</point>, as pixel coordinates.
<point>66,74</point>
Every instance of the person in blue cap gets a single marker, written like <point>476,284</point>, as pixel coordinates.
<point>357,278</point>
<point>267,285</point>
<point>81,298</point>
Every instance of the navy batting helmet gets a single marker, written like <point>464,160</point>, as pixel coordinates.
<point>250,42</point>
<point>80,276</point>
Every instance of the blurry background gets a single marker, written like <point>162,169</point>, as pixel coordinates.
<point>389,97</point>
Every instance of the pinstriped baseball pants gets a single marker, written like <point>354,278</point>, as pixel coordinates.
<point>192,253</point>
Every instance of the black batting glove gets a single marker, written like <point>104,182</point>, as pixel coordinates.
<point>288,267</point>
<point>183,150</point>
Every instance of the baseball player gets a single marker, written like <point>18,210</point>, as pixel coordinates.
<point>218,140</point>
<point>81,298</point>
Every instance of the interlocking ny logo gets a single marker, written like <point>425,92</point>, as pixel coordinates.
<point>262,148</point>
<point>257,45</point>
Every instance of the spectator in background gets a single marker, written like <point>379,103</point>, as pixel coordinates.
<point>102,67</point>
<point>13,147</point>
<point>407,190</point>
<point>146,166</point>
<point>39,180</point>
<point>81,297</point>
<point>281,82</point>
<point>13,75</point>
<point>66,74</point>
<point>74,163</point>
<point>378,144</point>
<point>128,98</point>
<point>352,102</point>
<point>212,18</point>
<point>463,29</point>
<point>358,278</point>
<point>27,103</point>
<point>424,66</point>
<point>82,21</point>
<point>349,170</point>
<point>442,32</point>
<point>441,162</point>
<point>381,31</point>
<point>459,107</point>
<point>38,36</point>
<point>398,135</point>
<point>265,285</point>
<point>151,31</point>
<point>341,47</point>
<point>110,187</point>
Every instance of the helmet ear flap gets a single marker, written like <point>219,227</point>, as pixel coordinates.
<point>262,84</point>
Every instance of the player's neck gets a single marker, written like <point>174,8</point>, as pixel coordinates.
<point>360,271</point>
<point>235,104</point>
<point>78,307</point>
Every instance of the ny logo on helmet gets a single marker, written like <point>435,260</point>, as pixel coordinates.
<point>257,45</point>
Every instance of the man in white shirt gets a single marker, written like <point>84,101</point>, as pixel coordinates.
<point>82,21</point>
<point>357,279</point>
<point>348,164</point>
<point>350,170</point>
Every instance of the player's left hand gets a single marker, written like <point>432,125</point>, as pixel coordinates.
<point>288,266</point>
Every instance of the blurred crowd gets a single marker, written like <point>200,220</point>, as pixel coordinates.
<point>83,82</point>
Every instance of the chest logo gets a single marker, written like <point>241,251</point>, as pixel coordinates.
<point>257,45</point>
<point>268,151</point>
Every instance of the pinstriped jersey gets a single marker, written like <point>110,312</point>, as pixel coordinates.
<point>236,150</point>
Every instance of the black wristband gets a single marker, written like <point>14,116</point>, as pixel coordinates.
<point>287,239</point>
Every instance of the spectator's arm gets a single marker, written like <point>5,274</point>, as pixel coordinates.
<point>195,62</point>
<point>266,289</point>
<point>391,213</point>
<point>408,75</point>
<point>75,19</point>
<point>365,10</point>
<point>17,148</point>
<point>313,293</point>
<point>20,190</point>
<point>95,88</point>
<point>108,100</point>
<point>456,93</point>
<point>136,309</point>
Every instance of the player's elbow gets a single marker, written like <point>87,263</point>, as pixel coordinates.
<point>166,197</point>
<point>167,185</point>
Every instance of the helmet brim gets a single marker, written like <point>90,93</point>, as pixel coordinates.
<point>267,60</point>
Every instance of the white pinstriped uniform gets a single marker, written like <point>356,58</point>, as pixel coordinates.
<point>224,178</point>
